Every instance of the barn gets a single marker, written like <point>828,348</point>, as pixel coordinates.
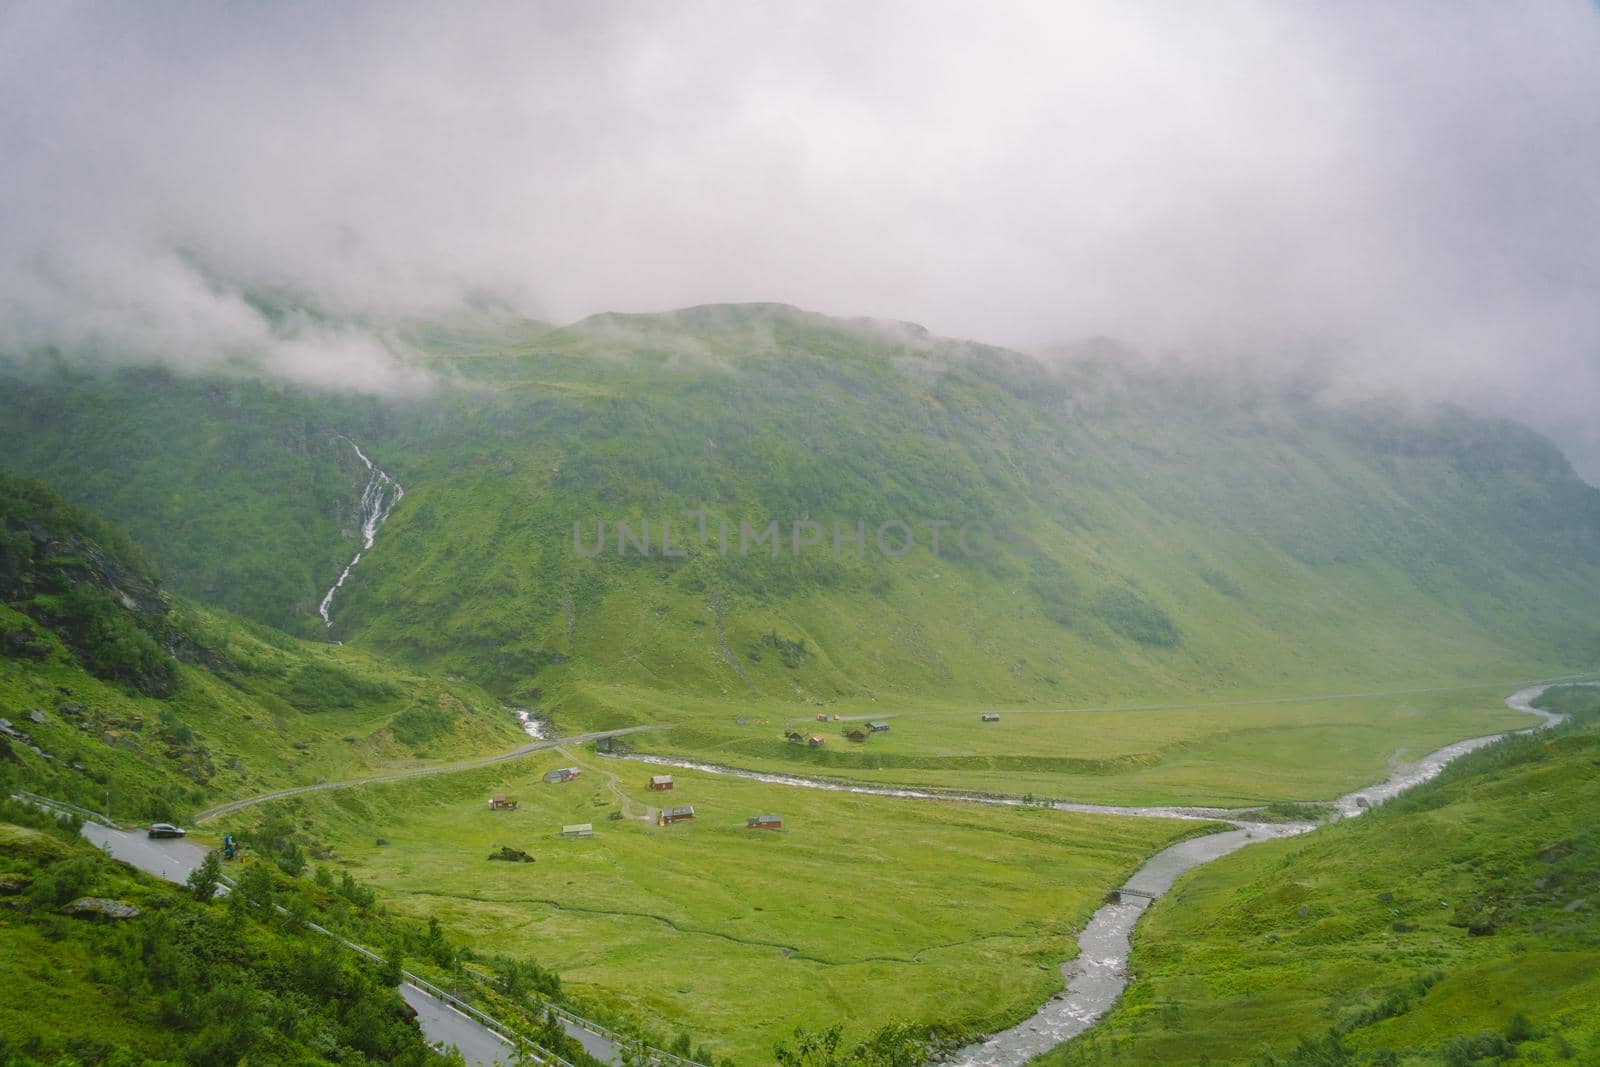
<point>661,782</point>
<point>672,815</point>
<point>878,727</point>
<point>764,822</point>
<point>562,774</point>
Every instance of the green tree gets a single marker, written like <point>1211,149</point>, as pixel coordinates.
<point>204,879</point>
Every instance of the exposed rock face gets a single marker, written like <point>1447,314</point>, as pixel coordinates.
<point>14,883</point>
<point>101,909</point>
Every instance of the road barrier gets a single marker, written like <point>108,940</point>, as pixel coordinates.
<point>482,1018</point>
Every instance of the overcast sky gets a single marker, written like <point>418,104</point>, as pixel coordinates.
<point>1411,191</point>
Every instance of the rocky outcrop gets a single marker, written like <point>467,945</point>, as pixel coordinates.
<point>101,909</point>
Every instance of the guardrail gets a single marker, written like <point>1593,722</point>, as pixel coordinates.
<point>62,805</point>
<point>655,1055</point>
<point>661,1057</point>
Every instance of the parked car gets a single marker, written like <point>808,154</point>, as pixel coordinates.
<point>164,829</point>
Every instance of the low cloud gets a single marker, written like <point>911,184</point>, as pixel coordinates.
<point>1408,192</point>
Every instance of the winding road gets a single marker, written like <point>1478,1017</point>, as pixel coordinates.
<point>415,772</point>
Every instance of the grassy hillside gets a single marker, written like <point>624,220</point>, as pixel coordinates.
<point>1456,926</point>
<point>122,698</point>
<point>179,981</point>
<point>1159,533</point>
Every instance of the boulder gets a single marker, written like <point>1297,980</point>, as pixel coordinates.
<point>101,909</point>
<point>36,716</point>
<point>14,883</point>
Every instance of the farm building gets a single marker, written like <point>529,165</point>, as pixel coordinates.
<point>793,736</point>
<point>878,727</point>
<point>501,802</point>
<point>661,782</point>
<point>578,829</point>
<point>816,742</point>
<point>764,822</point>
<point>562,774</point>
<point>672,815</point>
<point>855,733</point>
<point>991,718</point>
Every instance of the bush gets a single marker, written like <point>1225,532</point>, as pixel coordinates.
<point>1130,614</point>
<point>418,725</point>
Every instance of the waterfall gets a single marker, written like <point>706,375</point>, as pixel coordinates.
<point>377,501</point>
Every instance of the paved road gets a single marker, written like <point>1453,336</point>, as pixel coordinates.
<point>174,858</point>
<point>444,1025</point>
<point>169,858</point>
<point>417,772</point>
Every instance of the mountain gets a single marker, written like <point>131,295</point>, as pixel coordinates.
<point>1157,530</point>
<point>117,694</point>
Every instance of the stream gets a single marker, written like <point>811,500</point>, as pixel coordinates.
<point>1098,975</point>
<point>377,501</point>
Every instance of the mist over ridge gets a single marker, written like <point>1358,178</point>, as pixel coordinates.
<point>1403,197</point>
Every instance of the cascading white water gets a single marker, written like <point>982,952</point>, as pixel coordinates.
<point>377,501</point>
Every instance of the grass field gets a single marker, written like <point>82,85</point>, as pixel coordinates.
<point>860,910</point>
<point>1422,931</point>
<point>280,712</point>
<point>1220,754</point>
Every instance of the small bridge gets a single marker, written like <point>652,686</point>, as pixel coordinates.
<point>1128,896</point>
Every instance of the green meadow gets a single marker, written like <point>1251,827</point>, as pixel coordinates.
<point>861,909</point>
<point>1456,925</point>
<point>1209,754</point>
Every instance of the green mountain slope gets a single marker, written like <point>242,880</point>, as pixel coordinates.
<point>116,694</point>
<point>178,981</point>
<point>1456,925</point>
<point>1158,531</point>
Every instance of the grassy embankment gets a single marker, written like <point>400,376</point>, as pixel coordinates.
<point>180,982</point>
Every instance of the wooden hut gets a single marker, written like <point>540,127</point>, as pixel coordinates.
<point>562,774</point>
<point>990,718</point>
<point>816,742</point>
<point>855,733</point>
<point>578,829</point>
<point>878,727</point>
<point>660,783</point>
<point>501,802</point>
<point>672,815</point>
<point>764,822</point>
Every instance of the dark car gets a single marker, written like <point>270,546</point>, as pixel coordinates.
<point>164,829</point>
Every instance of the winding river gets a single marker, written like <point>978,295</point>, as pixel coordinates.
<point>1096,978</point>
